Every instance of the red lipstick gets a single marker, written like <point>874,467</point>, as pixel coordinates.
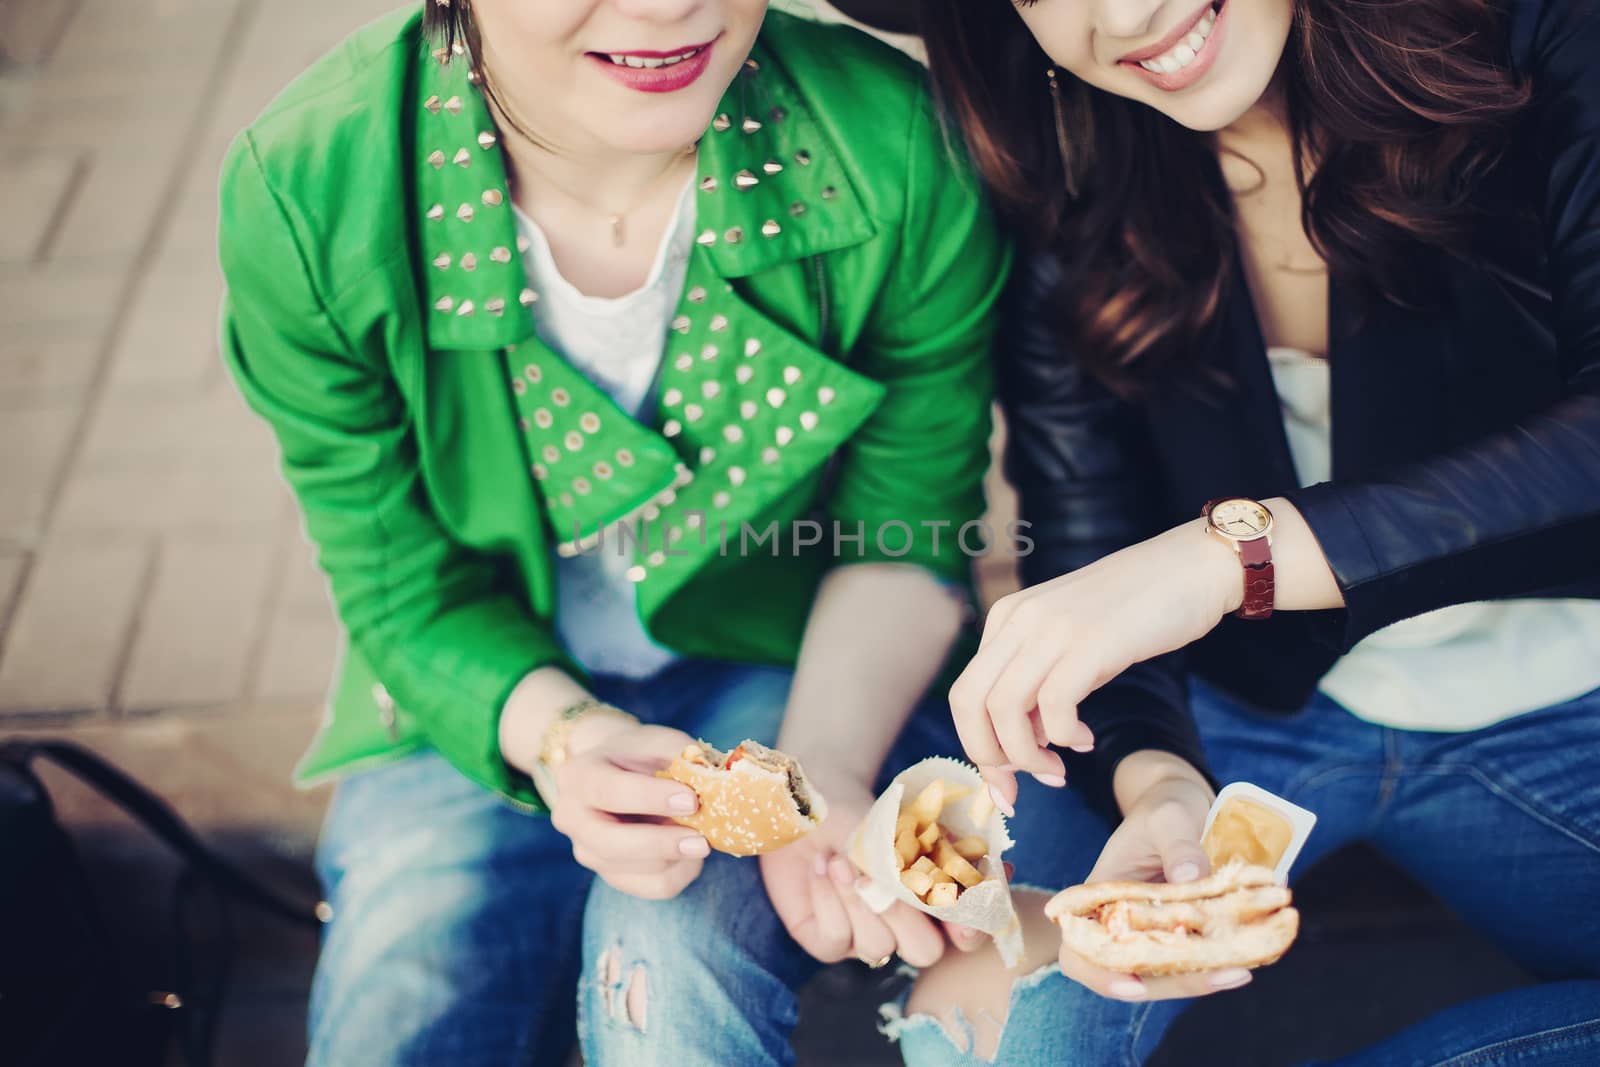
<point>657,78</point>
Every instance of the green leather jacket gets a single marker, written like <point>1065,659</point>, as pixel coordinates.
<point>836,321</point>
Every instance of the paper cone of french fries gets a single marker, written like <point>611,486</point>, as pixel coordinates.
<point>949,825</point>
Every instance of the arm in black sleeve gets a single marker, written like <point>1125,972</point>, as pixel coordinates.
<point>1088,485</point>
<point>1519,511</point>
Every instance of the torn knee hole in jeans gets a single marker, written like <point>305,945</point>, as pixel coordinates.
<point>979,1036</point>
<point>624,1001</point>
<point>974,1032</point>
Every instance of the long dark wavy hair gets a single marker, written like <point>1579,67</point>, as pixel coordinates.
<point>1402,106</point>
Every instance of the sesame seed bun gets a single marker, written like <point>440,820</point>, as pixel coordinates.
<point>761,803</point>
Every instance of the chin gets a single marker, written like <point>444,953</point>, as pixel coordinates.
<point>651,123</point>
<point>666,132</point>
<point>1220,108</point>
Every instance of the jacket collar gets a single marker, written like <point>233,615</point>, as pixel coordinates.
<point>771,186</point>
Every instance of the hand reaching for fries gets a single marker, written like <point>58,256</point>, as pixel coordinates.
<point>812,886</point>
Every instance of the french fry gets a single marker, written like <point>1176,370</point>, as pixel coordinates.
<point>929,803</point>
<point>952,863</point>
<point>971,849</point>
<point>906,849</point>
<point>934,865</point>
<point>919,882</point>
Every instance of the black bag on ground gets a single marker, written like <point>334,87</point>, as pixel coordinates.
<point>69,994</point>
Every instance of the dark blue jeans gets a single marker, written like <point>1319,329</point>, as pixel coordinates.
<point>1503,824</point>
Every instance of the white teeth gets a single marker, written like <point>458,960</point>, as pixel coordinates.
<point>1184,52</point>
<point>640,62</point>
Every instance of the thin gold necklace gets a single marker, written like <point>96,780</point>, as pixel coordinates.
<point>618,219</point>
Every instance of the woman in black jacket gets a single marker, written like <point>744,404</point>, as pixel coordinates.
<point>1336,263</point>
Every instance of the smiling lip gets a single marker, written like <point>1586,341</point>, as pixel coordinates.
<point>658,79</point>
<point>1167,43</point>
<point>1198,67</point>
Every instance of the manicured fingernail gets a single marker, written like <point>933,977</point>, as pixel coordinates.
<point>1233,976</point>
<point>819,866</point>
<point>681,803</point>
<point>1127,988</point>
<point>843,876</point>
<point>1000,802</point>
<point>1082,748</point>
<point>1055,781</point>
<point>694,846</point>
<point>1185,872</point>
<point>1082,739</point>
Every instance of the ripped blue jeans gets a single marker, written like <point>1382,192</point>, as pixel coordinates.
<point>1503,824</point>
<point>456,917</point>
<point>459,933</point>
<point>721,973</point>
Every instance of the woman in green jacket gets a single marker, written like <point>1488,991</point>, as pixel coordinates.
<point>598,335</point>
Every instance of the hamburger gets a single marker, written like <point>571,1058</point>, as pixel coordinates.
<point>1236,917</point>
<point>753,799</point>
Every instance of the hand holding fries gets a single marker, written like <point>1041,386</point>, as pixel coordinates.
<point>940,852</point>
<point>812,886</point>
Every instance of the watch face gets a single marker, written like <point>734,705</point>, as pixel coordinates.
<point>1242,519</point>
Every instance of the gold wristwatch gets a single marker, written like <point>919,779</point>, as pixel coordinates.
<point>553,746</point>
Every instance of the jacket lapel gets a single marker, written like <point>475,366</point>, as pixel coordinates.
<point>746,406</point>
<point>772,190</point>
<point>475,292</point>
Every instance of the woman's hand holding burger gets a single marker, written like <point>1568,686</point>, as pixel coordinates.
<point>1164,801</point>
<point>618,813</point>
<point>606,796</point>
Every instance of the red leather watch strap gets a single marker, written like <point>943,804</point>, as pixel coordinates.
<point>1259,581</point>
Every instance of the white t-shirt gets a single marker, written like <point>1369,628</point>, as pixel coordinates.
<point>617,343</point>
<point>1462,667</point>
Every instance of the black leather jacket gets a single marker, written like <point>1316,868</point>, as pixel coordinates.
<point>1466,441</point>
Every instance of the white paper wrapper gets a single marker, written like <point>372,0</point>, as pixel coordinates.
<point>986,906</point>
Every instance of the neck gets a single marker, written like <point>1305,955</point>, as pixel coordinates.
<point>602,179</point>
<point>1265,125</point>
